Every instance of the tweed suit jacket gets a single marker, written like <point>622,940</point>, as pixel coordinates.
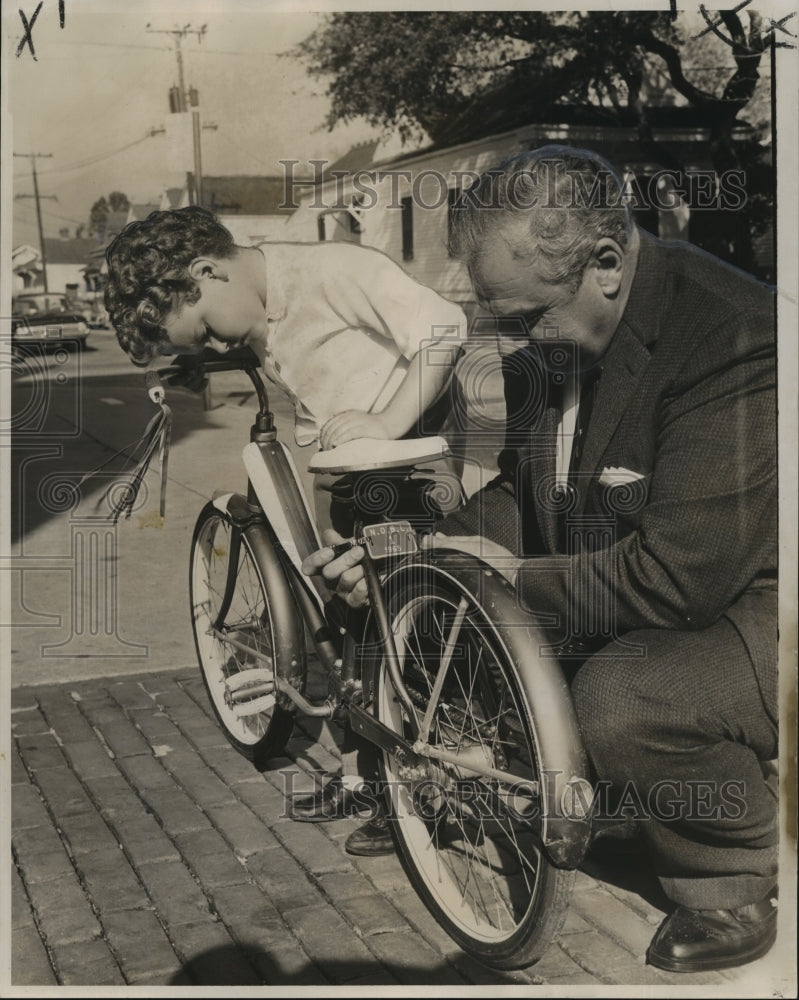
<point>686,403</point>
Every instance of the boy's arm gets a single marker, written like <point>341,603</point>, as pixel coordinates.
<point>428,329</point>
<point>428,373</point>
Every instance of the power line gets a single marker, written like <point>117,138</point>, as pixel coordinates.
<point>121,45</point>
<point>164,48</point>
<point>227,136</point>
<point>54,215</point>
<point>99,159</point>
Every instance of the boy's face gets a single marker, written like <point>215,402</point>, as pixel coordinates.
<point>223,318</point>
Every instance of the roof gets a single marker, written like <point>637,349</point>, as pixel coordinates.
<point>358,158</point>
<point>245,195</point>
<point>173,196</point>
<point>142,210</point>
<point>517,102</point>
<point>74,251</point>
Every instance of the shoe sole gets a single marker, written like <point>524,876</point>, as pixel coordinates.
<point>709,964</point>
<point>366,815</point>
<point>369,853</point>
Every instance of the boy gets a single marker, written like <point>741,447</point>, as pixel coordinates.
<point>331,323</point>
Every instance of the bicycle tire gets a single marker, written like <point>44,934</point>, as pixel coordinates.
<point>478,864</point>
<point>259,727</point>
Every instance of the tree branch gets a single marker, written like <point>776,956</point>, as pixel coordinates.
<point>649,41</point>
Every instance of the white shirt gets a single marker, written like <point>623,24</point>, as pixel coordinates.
<point>344,322</point>
<point>567,426</point>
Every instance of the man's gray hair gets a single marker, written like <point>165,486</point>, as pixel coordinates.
<point>570,197</point>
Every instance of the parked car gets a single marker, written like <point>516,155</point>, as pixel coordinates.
<point>46,318</point>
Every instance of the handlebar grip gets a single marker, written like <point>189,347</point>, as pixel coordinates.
<point>154,386</point>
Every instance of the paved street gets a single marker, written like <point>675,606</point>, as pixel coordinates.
<point>145,851</point>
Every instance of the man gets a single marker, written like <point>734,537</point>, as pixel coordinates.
<point>639,486</point>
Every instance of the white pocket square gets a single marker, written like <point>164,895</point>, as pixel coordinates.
<point>617,476</point>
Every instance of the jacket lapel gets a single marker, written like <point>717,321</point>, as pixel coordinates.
<point>622,369</point>
<point>628,355</point>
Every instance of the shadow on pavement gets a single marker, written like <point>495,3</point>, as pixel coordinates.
<point>63,430</point>
<point>232,966</point>
<point>626,864</point>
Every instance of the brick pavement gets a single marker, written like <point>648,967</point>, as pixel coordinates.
<point>147,852</point>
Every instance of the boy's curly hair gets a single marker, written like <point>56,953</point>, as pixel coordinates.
<point>148,273</point>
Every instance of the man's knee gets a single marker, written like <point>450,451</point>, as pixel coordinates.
<point>629,690</point>
<point>604,694</point>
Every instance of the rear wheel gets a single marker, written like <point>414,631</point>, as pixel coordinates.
<point>469,841</point>
<point>236,654</point>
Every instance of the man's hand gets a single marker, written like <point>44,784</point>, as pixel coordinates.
<point>343,575</point>
<point>353,424</point>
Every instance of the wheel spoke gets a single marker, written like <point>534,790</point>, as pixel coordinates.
<point>247,622</point>
<point>480,860</point>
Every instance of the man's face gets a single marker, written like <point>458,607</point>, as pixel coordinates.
<point>222,318</point>
<point>511,287</point>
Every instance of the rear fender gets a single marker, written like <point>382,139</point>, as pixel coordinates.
<point>566,793</point>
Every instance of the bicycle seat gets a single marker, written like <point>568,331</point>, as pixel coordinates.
<point>365,454</point>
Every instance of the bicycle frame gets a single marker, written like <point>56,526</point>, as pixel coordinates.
<point>276,519</point>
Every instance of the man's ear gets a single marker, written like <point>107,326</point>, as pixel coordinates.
<point>202,268</point>
<point>608,262</point>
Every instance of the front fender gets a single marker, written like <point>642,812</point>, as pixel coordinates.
<point>288,633</point>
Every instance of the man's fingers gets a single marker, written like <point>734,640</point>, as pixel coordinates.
<point>331,537</point>
<point>313,563</point>
<point>336,569</point>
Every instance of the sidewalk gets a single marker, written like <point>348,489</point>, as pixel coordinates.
<point>147,852</point>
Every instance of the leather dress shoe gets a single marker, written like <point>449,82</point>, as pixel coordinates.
<point>371,840</point>
<point>702,940</point>
<point>334,801</point>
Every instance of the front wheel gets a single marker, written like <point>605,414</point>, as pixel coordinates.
<point>236,654</point>
<point>469,841</point>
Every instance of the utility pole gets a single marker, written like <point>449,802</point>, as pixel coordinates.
<point>33,157</point>
<point>179,103</point>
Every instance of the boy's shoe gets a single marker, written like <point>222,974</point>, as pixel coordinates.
<point>334,801</point>
<point>371,840</point>
<point>702,940</point>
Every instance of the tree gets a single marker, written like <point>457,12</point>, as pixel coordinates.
<point>417,71</point>
<point>118,202</point>
<point>98,214</point>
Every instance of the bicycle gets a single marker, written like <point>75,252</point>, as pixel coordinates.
<point>476,737</point>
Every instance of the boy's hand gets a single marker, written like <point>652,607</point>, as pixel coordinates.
<point>191,376</point>
<point>352,424</point>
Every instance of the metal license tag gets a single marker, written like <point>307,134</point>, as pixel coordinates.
<point>53,331</point>
<point>395,538</point>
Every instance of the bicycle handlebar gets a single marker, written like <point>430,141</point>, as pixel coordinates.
<point>207,363</point>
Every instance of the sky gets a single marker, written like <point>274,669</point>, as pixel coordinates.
<point>100,84</point>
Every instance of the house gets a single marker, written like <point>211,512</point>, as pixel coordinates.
<point>402,205</point>
<point>138,212</point>
<point>171,198</point>
<point>68,263</point>
<point>252,207</point>
<point>26,268</point>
